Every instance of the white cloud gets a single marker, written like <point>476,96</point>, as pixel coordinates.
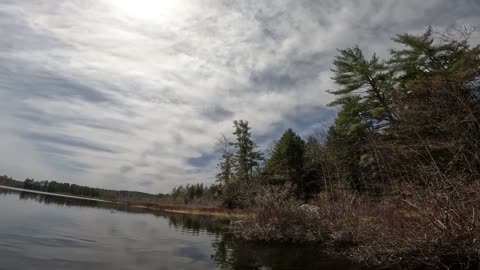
<point>124,94</point>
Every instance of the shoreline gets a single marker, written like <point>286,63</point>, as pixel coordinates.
<point>273,225</point>
<point>54,194</point>
<point>180,209</point>
<point>184,209</point>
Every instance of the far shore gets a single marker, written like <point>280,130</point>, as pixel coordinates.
<point>53,194</point>
<point>181,209</point>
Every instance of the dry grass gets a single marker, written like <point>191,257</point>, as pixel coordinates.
<point>434,226</point>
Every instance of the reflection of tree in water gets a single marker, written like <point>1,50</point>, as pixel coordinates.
<point>5,192</point>
<point>57,200</point>
<point>233,254</point>
<point>63,201</point>
<point>195,224</point>
<point>68,202</point>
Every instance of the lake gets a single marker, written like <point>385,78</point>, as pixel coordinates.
<point>41,231</point>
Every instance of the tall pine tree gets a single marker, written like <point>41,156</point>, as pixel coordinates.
<point>369,80</point>
<point>246,157</point>
<point>287,160</point>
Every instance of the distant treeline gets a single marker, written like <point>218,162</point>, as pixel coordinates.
<point>65,188</point>
<point>196,194</point>
<point>8,181</point>
<point>77,190</point>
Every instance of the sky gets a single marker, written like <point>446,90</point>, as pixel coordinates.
<point>132,94</point>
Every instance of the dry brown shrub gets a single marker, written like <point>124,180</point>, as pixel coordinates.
<point>435,226</point>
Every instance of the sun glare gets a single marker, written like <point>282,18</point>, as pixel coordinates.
<point>158,10</point>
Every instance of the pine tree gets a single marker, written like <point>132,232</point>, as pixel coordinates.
<point>227,160</point>
<point>424,55</point>
<point>313,172</point>
<point>419,56</point>
<point>369,81</point>
<point>347,138</point>
<point>246,157</point>
<point>286,163</point>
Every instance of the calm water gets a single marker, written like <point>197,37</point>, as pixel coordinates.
<point>41,232</point>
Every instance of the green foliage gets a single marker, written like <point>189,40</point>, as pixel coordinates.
<point>226,165</point>
<point>420,55</point>
<point>76,190</point>
<point>424,56</point>
<point>226,168</point>
<point>367,80</point>
<point>315,177</point>
<point>193,194</point>
<point>65,188</point>
<point>351,119</point>
<point>419,109</point>
<point>238,166</point>
<point>10,182</point>
<point>246,157</point>
<point>233,195</point>
<point>287,160</point>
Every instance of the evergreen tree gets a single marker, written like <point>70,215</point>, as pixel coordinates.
<point>238,165</point>
<point>369,81</point>
<point>420,55</point>
<point>314,178</point>
<point>246,157</point>
<point>227,160</point>
<point>287,160</point>
<point>347,138</point>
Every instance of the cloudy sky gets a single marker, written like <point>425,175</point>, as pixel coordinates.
<point>131,94</point>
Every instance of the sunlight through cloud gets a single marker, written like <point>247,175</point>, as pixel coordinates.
<point>152,10</point>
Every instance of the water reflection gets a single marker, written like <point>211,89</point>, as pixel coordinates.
<point>196,224</point>
<point>45,199</point>
<point>56,200</point>
<point>173,241</point>
<point>231,254</point>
